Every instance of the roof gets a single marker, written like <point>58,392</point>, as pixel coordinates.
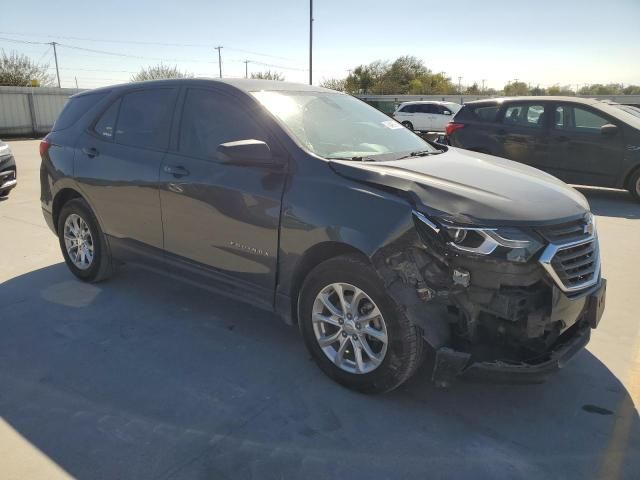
<point>246,85</point>
<point>547,98</point>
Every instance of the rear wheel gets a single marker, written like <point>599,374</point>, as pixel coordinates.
<point>408,125</point>
<point>634,185</point>
<point>82,242</point>
<point>355,332</point>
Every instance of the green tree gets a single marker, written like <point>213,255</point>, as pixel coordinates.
<point>515,89</point>
<point>159,72</point>
<point>19,71</point>
<point>537,90</point>
<point>564,90</point>
<point>473,89</point>
<point>268,75</point>
<point>631,90</point>
<point>599,89</point>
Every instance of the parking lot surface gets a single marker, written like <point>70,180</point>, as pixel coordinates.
<point>145,377</point>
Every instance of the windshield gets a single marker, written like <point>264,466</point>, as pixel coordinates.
<point>635,111</point>
<point>334,125</point>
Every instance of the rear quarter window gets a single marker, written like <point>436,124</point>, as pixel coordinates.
<point>487,113</point>
<point>75,108</point>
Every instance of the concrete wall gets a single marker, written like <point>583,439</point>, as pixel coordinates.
<point>26,111</point>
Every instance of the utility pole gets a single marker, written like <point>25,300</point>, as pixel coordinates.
<point>310,42</point>
<point>459,84</point>
<point>219,48</point>
<point>246,69</point>
<point>76,79</point>
<point>55,56</point>
<point>483,80</point>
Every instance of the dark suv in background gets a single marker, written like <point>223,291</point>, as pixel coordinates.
<point>312,204</point>
<point>580,141</point>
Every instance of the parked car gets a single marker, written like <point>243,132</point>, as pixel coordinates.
<point>312,204</point>
<point>426,116</point>
<point>580,141</point>
<point>8,170</point>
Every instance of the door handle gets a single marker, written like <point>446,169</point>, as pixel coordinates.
<point>90,151</point>
<point>176,171</point>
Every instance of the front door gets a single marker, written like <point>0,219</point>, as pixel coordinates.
<point>579,152</point>
<point>221,221</point>
<point>118,162</point>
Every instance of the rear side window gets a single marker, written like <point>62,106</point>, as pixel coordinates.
<point>75,108</point>
<point>106,126</point>
<point>486,113</point>
<point>408,109</point>
<point>524,115</point>
<point>209,119</point>
<point>144,118</point>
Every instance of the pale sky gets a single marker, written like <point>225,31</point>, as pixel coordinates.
<point>540,42</point>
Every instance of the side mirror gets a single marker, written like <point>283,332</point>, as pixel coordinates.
<point>608,129</point>
<point>446,112</point>
<point>246,152</point>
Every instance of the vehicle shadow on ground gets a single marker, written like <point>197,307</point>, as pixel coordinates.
<point>611,203</point>
<point>146,377</point>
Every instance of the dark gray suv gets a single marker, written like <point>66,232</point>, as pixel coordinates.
<point>308,202</point>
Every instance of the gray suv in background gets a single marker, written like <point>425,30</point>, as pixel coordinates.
<point>309,203</point>
<point>581,141</point>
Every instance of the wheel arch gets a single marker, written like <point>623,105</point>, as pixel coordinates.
<point>629,176</point>
<point>311,258</point>
<point>61,198</point>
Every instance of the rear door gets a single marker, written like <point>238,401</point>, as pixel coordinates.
<point>406,114</point>
<point>578,151</point>
<point>423,117</point>
<point>440,117</point>
<point>118,162</point>
<point>522,132</point>
<point>221,221</point>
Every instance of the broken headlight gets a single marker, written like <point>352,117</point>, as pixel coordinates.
<point>513,244</point>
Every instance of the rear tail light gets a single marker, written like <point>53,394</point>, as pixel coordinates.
<point>44,146</point>
<point>452,127</point>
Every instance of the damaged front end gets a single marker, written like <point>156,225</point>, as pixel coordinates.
<point>505,304</point>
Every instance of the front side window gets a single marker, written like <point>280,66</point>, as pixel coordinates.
<point>335,125</point>
<point>524,115</point>
<point>209,119</point>
<point>144,118</point>
<point>576,119</point>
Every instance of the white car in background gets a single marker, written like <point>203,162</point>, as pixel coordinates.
<point>426,116</point>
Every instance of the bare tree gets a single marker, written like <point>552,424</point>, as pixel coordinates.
<point>159,72</point>
<point>339,84</point>
<point>20,71</point>
<point>268,75</point>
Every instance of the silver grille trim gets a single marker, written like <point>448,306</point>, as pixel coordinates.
<point>573,266</point>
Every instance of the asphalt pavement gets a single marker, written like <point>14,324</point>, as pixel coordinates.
<point>146,377</point>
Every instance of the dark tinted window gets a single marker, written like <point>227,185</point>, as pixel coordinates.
<point>75,108</point>
<point>144,118</point>
<point>106,125</point>
<point>209,119</point>
<point>408,109</point>
<point>486,113</point>
<point>568,117</point>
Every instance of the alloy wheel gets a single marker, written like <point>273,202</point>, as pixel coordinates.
<point>78,241</point>
<point>349,328</point>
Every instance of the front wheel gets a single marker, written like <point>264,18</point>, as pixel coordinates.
<point>354,331</point>
<point>408,125</point>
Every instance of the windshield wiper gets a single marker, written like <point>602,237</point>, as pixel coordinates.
<point>421,153</point>
<point>352,159</point>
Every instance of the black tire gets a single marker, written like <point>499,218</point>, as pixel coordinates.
<point>408,125</point>
<point>405,350</point>
<point>634,185</point>
<point>4,193</point>
<point>100,267</point>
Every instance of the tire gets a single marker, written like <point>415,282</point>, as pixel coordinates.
<point>404,349</point>
<point>99,268</point>
<point>408,125</point>
<point>4,193</point>
<point>634,185</point>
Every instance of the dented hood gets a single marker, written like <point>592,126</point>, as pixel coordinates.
<point>472,188</point>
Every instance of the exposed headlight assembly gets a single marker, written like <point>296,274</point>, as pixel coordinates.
<point>512,243</point>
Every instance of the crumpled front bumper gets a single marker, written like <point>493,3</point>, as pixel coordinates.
<point>451,364</point>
